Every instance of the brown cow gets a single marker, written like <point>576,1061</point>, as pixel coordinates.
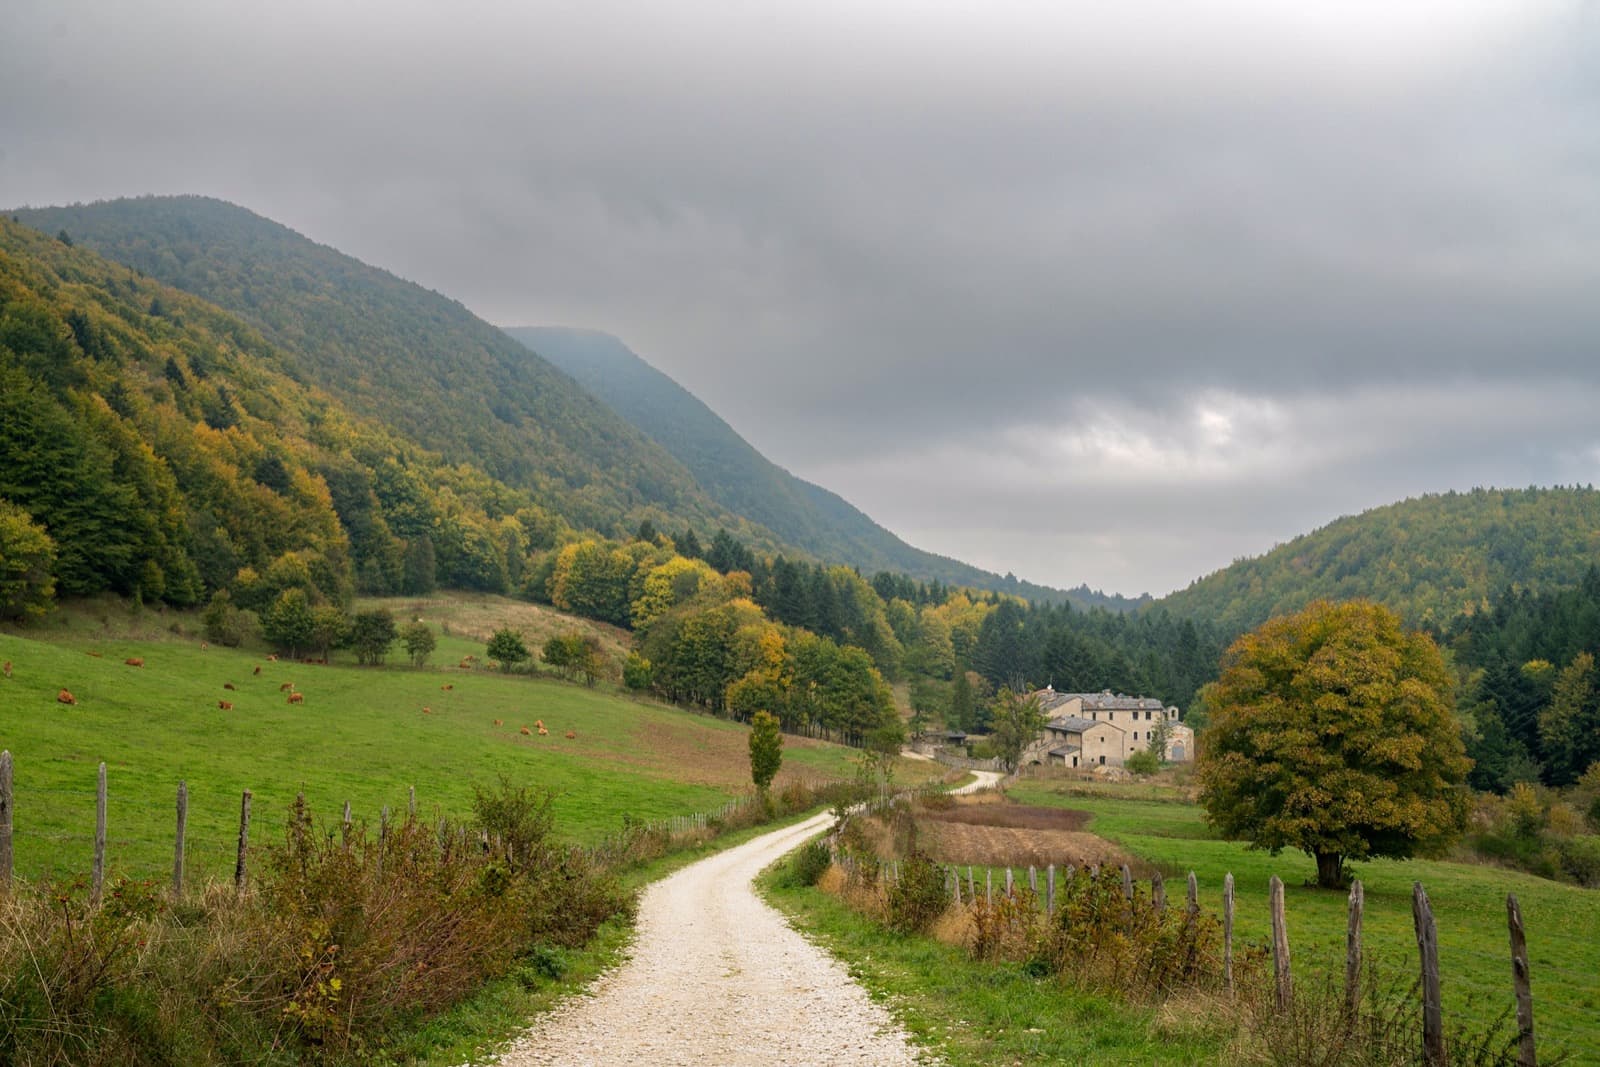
<point>6,668</point>
<point>447,687</point>
<point>134,661</point>
<point>204,647</point>
<point>257,670</point>
<point>525,731</point>
<point>286,687</point>
<point>497,722</point>
<point>543,732</point>
<point>272,659</point>
<point>65,697</point>
<point>539,723</point>
<point>225,705</point>
<point>229,685</point>
<point>570,735</point>
<point>297,698</point>
<point>426,710</point>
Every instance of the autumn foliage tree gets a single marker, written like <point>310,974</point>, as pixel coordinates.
<point>766,749</point>
<point>1332,732</point>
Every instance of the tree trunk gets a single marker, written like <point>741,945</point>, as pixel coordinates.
<point>1330,870</point>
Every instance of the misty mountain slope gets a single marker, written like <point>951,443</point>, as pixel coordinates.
<point>741,479</point>
<point>392,350</point>
<point>1429,558</point>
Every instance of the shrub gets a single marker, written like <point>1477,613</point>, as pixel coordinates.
<point>806,865</point>
<point>419,642</point>
<point>1143,763</point>
<point>636,672</point>
<point>917,897</point>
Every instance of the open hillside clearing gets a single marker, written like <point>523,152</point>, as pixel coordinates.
<point>362,734</point>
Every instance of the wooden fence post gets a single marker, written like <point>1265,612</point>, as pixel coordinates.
<point>177,848</point>
<point>1010,886</point>
<point>1192,909</point>
<point>411,800</point>
<point>1227,932</point>
<point>1527,1053</point>
<point>5,820</point>
<point>1158,891</point>
<point>1352,950</point>
<point>1280,948</point>
<point>241,864</point>
<point>1127,883</point>
<point>1050,889</point>
<point>988,886</point>
<point>1428,949</point>
<point>99,876</point>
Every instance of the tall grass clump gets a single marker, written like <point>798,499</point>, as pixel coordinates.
<point>348,935</point>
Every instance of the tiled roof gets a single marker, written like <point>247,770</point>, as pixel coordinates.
<point>1076,724</point>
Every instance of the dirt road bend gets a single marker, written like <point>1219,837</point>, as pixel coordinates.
<point>716,977</point>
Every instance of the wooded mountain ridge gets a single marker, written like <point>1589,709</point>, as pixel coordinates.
<point>740,478</point>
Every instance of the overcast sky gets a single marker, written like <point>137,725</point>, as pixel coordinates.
<point>1105,293</point>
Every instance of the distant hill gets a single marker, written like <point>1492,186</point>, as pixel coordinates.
<point>391,350</point>
<point>742,480</point>
<point>1429,558</point>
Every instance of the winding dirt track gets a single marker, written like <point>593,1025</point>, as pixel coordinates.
<point>716,977</point>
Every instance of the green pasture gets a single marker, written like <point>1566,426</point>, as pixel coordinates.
<point>1469,906</point>
<point>361,735</point>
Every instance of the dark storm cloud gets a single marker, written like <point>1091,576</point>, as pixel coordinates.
<point>1124,284</point>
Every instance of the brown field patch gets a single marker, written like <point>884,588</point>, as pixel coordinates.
<point>1013,835</point>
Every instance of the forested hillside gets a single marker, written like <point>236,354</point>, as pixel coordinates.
<point>1428,558</point>
<point>157,447</point>
<point>393,351</point>
<point>744,481</point>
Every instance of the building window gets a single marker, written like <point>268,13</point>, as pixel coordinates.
<point>1136,735</point>
<point>1102,761</point>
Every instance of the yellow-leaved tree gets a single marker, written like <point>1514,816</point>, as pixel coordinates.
<point>1332,732</point>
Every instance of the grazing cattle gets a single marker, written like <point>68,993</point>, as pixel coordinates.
<point>525,731</point>
<point>543,732</point>
<point>134,661</point>
<point>98,655</point>
<point>426,710</point>
<point>570,735</point>
<point>539,723</point>
<point>225,705</point>
<point>286,687</point>
<point>464,665</point>
<point>297,698</point>
<point>447,687</point>
<point>257,670</point>
<point>65,697</point>
<point>497,722</point>
<point>204,647</point>
<point>6,668</point>
<point>272,659</point>
<point>229,685</point>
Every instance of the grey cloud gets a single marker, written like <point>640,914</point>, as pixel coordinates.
<point>881,236</point>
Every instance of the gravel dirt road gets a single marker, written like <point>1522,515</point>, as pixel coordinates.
<point>716,977</point>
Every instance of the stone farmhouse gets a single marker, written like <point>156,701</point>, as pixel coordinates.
<point>1104,729</point>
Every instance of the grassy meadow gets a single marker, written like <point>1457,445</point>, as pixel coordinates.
<point>362,734</point>
<point>1562,921</point>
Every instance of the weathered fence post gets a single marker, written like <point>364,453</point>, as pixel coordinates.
<point>1192,909</point>
<point>1280,948</point>
<point>1158,891</point>
<point>1352,950</point>
<point>1050,889</point>
<point>99,876</point>
<point>1127,883</point>
<point>177,849</point>
<point>1428,949</point>
<point>5,820</point>
<point>1227,932</point>
<point>1527,1054</point>
<point>1010,887</point>
<point>1033,880</point>
<point>240,867</point>
<point>411,800</point>
<point>988,886</point>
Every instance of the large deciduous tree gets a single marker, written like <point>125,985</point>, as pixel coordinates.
<point>27,555</point>
<point>1332,732</point>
